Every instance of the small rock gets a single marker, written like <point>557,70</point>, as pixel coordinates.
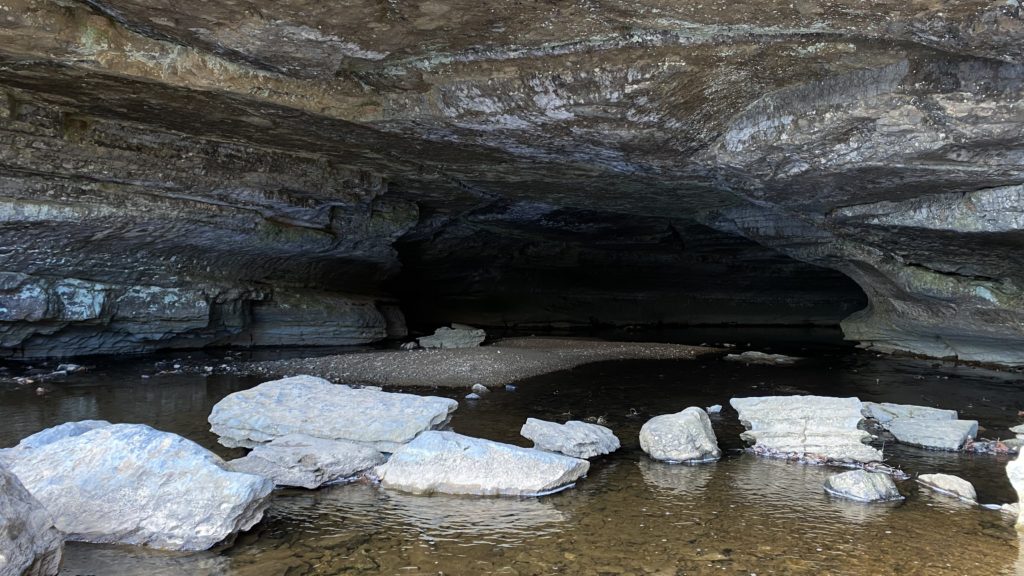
<point>510,388</point>
<point>409,346</point>
<point>463,337</point>
<point>753,357</point>
<point>41,391</point>
<point>574,438</point>
<point>480,389</point>
<point>70,368</point>
<point>949,484</point>
<point>307,462</point>
<point>714,409</point>
<point>686,436</point>
<point>451,463</point>
<point>472,396</point>
<point>863,486</point>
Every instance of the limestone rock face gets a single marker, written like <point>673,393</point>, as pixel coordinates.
<point>686,436</point>
<point>454,464</point>
<point>315,407</point>
<point>863,486</point>
<point>307,462</point>
<point>806,426</point>
<point>187,164</point>
<point>131,484</point>
<point>461,337</point>
<point>948,435</point>
<point>949,484</point>
<point>29,543</point>
<point>574,438</point>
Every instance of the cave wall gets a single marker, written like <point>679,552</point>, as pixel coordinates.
<point>179,174</point>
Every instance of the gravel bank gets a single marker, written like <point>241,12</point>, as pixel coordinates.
<point>501,363</point>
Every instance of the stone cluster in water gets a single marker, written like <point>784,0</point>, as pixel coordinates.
<point>95,481</point>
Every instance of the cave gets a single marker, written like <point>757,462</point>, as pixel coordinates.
<point>215,194</point>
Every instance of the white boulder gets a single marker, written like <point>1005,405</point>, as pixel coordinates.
<point>458,336</point>
<point>948,435</point>
<point>574,438</point>
<point>949,484</point>
<point>1015,471</point>
<point>29,543</point>
<point>131,484</point>
<point>819,427</point>
<point>44,437</point>
<point>885,412</point>
<point>450,463</point>
<point>685,436</point>
<point>315,407</point>
<point>307,462</point>
<point>863,486</point>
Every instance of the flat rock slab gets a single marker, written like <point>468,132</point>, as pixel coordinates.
<point>131,484</point>
<point>815,427</point>
<point>574,438</point>
<point>885,412</point>
<point>948,435</point>
<point>863,486</point>
<point>949,484</point>
<point>455,337</point>
<point>315,407</point>
<point>30,545</point>
<point>450,463</point>
<point>686,437</point>
<point>307,462</point>
<point>762,358</point>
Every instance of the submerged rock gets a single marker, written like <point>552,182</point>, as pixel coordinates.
<point>948,435</point>
<point>685,436</point>
<point>454,464</point>
<point>574,438</point>
<point>315,407</point>
<point>949,484</point>
<point>863,486</point>
<point>458,336</point>
<point>30,545</point>
<point>131,484</point>
<point>307,462</point>
<point>754,357</point>
<point>815,427</point>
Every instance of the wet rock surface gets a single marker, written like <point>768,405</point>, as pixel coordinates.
<point>934,434</point>
<point>316,407</point>
<point>685,437</point>
<point>446,462</point>
<point>863,486</point>
<point>131,484</point>
<point>29,543</point>
<point>815,427</point>
<point>949,484</point>
<point>306,461</point>
<point>189,167</point>
<point>574,438</point>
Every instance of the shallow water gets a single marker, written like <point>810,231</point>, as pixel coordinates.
<point>742,515</point>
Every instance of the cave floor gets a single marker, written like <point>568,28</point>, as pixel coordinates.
<point>742,515</point>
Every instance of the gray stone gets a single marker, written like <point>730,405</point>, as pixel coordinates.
<point>933,434</point>
<point>450,463</point>
<point>574,438</point>
<point>817,427</point>
<point>444,337</point>
<point>1015,472</point>
<point>29,543</point>
<point>472,396</point>
<point>863,486</point>
<point>685,436</point>
<point>480,389</point>
<point>886,412</point>
<point>307,462</point>
<point>754,357</point>
<point>315,407</point>
<point>714,409</point>
<point>131,484</point>
<point>949,484</point>
<point>1018,430</point>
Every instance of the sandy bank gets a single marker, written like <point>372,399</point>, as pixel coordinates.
<point>501,363</point>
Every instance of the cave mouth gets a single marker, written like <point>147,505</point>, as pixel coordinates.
<point>565,269</point>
